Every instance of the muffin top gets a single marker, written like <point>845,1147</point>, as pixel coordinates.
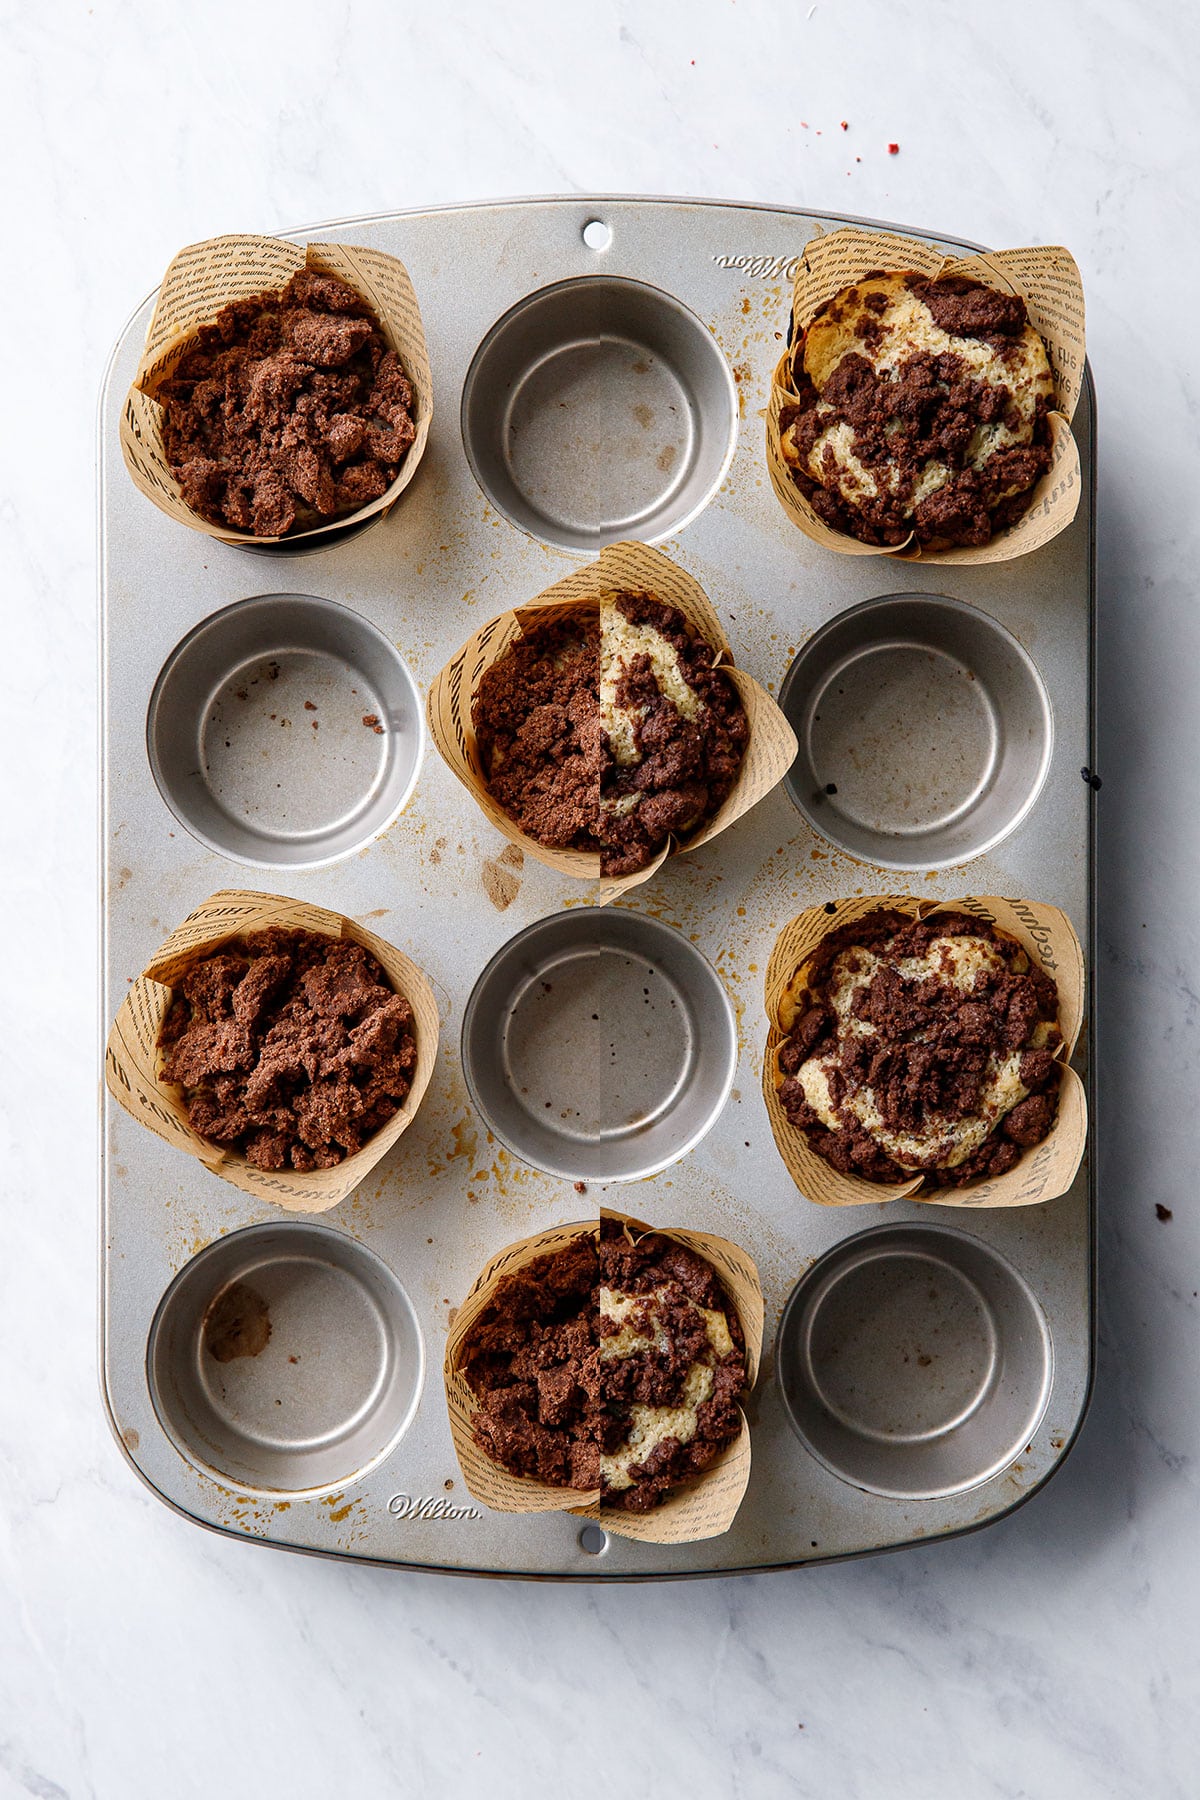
<point>608,728</point>
<point>921,411</point>
<point>920,1047</point>
<point>609,1363</point>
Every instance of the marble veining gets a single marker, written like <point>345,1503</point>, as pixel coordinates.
<point>1054,1653</point>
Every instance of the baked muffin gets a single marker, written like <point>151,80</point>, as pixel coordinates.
<point>536,716</point>
<point>291,1047</point>
<point>920,1047</point>
<point>608,1364</point>
<point>288,411</point>
<point>608,730</point>
<point>921,411</point>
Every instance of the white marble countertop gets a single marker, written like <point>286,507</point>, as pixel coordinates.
<point>1053,1654</point>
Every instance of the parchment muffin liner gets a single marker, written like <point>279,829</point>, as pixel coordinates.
<point>1048,281</point>
<point>1043,1172</point>
<point>206,277</point>
<point>133,1060</point>
<point>770,746</point>
<point>702,1508</point>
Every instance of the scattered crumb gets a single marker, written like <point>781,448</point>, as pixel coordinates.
<point>893,149</point>
<point>1161,1211</point>
<point>581,1187</point>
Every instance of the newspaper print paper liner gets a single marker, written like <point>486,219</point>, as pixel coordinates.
<point>1043,1172</point>
<point>771,744</point>
<point>132,1058</point>
<point>1048,281</point>
<point>702,1508</point>
<point>208,276</point>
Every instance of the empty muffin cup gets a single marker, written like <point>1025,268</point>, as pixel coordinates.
<point>914,1361</point>
<point>599,1045</point>
<point>924,729</point>
<point>285,1359</point>
<point>285,731</point>
<point>596,409</point>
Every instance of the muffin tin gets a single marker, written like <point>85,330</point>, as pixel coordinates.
<point>633,341</point>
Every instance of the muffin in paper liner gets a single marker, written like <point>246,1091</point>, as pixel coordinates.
<point>207,276</point>
<point>770,747</point>
<point>1048,281</point>
<point>133,1059</point>
<point>1043,1172</point>
<point>702,1508</point>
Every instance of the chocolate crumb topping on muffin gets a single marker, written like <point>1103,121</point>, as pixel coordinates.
<point>672,1368</point>
<point>920,1047</point>
<point>610,730</point>
<point>291,1047</point>
<point>608,1364</point>
<point>288,411</point>
<point>921,411</point>
<point>532,1360</point>
<point>675,731</point>
<point>536,714</point>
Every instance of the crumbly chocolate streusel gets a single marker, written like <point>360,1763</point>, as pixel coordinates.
<point>610,730</point>
<point>922,1060</point>
<point>536,714</point>
<point>291,1047</point>
<point>532,1361</point>
<point>924,415</point>
<point>672,1368</point>
<point>595,1349</point>
<point>673,747</point>
<point>288,411</point>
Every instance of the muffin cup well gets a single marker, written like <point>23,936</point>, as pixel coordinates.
<point>1043,1172</point>
<point>703,1508</point>
<point>133,1060</point>
<point>1046,278</point>
<point>770,748</point>
<point>206,277</point>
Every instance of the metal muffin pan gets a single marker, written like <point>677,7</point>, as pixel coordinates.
<point>925,731</point>
<point>442,883</point>
<point>258,738</point>
<point>285,1359</point>
<point>914,1361</point>
<point>599,1045</point>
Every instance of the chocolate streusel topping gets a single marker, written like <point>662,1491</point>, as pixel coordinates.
<point>682,768</point>
<point>672,1289</point>
<point>561,1384</point>
<point>915,1056</point>
<point>289,411</point>
<point>917,415</point>
<point>532,1360</point>
<point>536,714</point>
<point>290,1046</point>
